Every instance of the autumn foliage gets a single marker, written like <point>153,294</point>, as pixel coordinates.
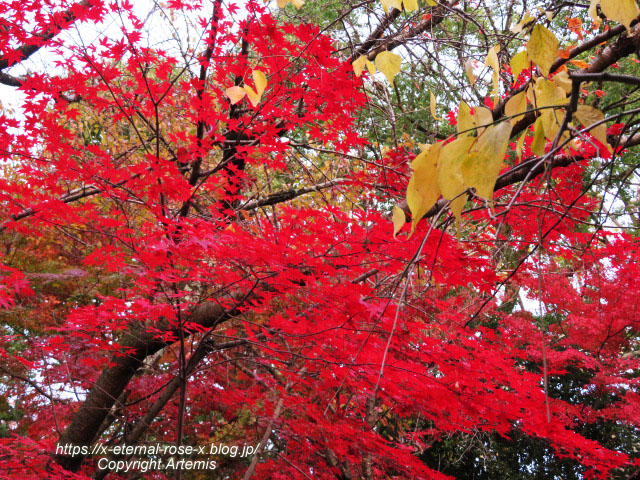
<point>204,242</point>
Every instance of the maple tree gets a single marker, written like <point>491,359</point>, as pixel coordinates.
<point>251,225</point>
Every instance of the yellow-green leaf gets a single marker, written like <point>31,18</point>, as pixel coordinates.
<point>516,106</point>
<point>543,48</point>
<point>539,139</point>
<point>235,94</point>
<point>389,64</point>
<point>587,115</point>
<point>519,62</point>
<point>621,11</point>
<point>423,190</point>
<point>398,218</point>
<point>432,3</point>
<point>466,121</point>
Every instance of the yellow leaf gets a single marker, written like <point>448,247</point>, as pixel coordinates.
<point>621,11</point>
<point>551,121</point>
<point>371,67</point>
<point>466,121</point>
<point>519,62</point>
<point>520,145</point>
<point>432,103</point>
<point>588,116</point>
<point>516,106</point>
<point>493,62</point>
<point>481,167</point>
<point>484,117</point>
<point>548,94</point>
<point>387,4</point>
<point>254,98</point>
<point>432,3</point>
<point>410,5</point>
<point>389,64</point>
<point>423,190</point>
<point>297,3</point>
<point>359,64</point>
<point>235,94</point>
<point>542,48</point>
<point>563,81</point>
<point>525,19</point>
<point>398,218</point>
<point>492,58</point>
<point>260,80</point>
<point>539,141</point>
<point>468,68</point>
<point>450,179</point>
<point>593,12</point>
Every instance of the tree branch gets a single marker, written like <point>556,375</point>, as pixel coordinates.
<point>38,41</point>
